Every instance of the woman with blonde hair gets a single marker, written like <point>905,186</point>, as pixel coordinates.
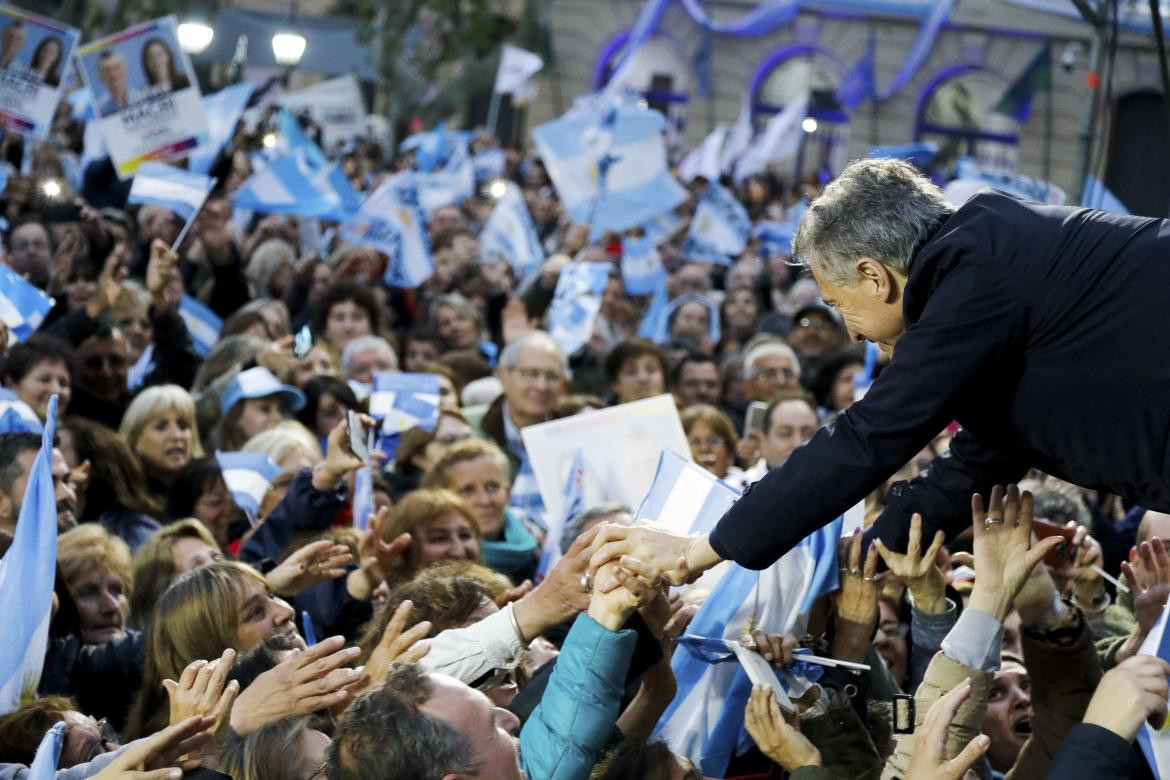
<point>97,570</point>
<point>174,550</point>
<point>441,526</point>
<point>160,427</point>
<point>204,612</point>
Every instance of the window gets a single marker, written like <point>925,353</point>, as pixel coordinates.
<point>954,111</point>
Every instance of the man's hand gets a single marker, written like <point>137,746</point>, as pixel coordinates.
<point>929,761</point>
<point>639,584</point>
<point>919,572</point>
<point>775,738</point>
<point>339,460</point>
<point>396,644</point>
<point>1131,692</point>
<point>560,595</point>
<point>680,559</point>
<point>160,269</point>
<point>158,757</point>
<point>308,567</point>
<point>1089,587</point>
<point>1148,575</point>
<point>1003,535</point>
<point>856,601</point>
<point>109,282</point>
<point>313,679</point>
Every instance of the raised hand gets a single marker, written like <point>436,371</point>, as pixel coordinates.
<point>279,358</point>
<point>396,644</point>
<point>856,601</point>
<point>308,567</point>
<point>311,680</point>
<point>680,559</point>
<point>109,282</point>
<point>775,738</point>
<point>339,460</point>
<point>1131,692</point>
<point>929,761</point>
<point>918,571</point>
<point>157,757</point>
<point>1148,575</point>
<point>201,692</point>
<point>159,270</point>
<point>1003,551</point>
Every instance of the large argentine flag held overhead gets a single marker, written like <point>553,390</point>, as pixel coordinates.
<point>609,166</point>
<point>180,191</point>
<point>720,228</point>
<point>27,571</point>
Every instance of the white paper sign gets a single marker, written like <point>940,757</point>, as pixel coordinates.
<point>145,95</point>
<point>620,446</point>
<point>34,55</point>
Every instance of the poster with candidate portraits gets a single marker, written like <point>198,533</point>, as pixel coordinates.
<point>34,53</point>
<point>144,94</point>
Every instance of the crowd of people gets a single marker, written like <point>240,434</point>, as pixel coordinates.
<point>183,633</point>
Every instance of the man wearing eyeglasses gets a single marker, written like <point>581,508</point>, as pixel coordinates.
<point>769,368</point>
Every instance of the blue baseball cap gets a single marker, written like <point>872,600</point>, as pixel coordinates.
<point>259,382</point>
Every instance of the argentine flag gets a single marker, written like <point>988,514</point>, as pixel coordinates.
<point>334,185</point>
<point>575,304</point>
<point>778,143</point>
<point>609,166</point>
<point>653,325</point>
<point>706,159</point>
<point>48,755</point>
<point>223,109</point>
<point>573,504</point>
<point>509,233</point>
<point>248,476</point>
<point>23,306</point>
<point>284,186</point>
<point>391,221</point>
<point>183,192</point>
<point>402,400</point>
<point>202,323</point>
<point>16,416</point>
<point>432,149</point>
<point>27,571</point>
<point>704,722</point>
<point>363,498</point>
<point>451,184</point>
<point>1010,182</point>
<point>720,228</point>
<point>642,269</point>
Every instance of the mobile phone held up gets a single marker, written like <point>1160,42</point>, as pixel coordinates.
<point>1064,552</point>
<point>357,437</point>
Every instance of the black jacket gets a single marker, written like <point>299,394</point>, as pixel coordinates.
<point>1044,331</point>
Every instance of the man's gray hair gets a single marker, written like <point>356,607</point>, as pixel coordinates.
<point>362,344</point>
<point>764,350</point>
<point>510,357</point>
<point>882,209</point>
<point>590,515</point>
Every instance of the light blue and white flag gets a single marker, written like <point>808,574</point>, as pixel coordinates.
<point>706,159</point>
<point>291,139</point>
<point>27,572</point>
<point>308,632</point>
<point>572,504</point>
<point>510,234</point>
<point>202,323</point>
<point>1098,196</point>
<point>720,228</point>
<point>334,185</point>
<point>779,142</point>
<point>488,164</point>
<point>431,149</point>
<point>23,306</point>
<point>653,324</point>
<point>738,138</point>
<point>774,238</point>
<point>16,416</point>
<point>1155,743</point>
<point>402,400</point>
<point>642,269</point>
<point>363,498</point>
<point>451,184</point>
<point>609,166</point>
<point>685,498</point>
<point>575,304</point>
<point>517,67</point>
<point>248,476</point>
<point>183,192</point>
<point>661,227</point>
<point>1010,182</point>
<point>704,721</point>
<point>391,221</point>
<point>223,109</point>
<point>284,186</point>
<point>864,378</point>
<point>141,368</point>
<point>44,764</point>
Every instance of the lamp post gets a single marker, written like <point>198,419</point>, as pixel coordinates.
<point>288,48</point>
<point>195,36</point>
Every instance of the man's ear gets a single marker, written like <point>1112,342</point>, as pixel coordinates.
<point>877,279</point>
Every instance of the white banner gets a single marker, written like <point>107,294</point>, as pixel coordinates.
<point>335,104</point>
<point>145,95</point>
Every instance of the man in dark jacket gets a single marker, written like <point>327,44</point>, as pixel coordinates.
<point>1040,329</point>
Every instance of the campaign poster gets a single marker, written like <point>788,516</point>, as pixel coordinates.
<point>34,53</point>
<point>145,95</point>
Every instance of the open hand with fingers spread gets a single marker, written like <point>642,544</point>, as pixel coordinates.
<point>397,644</point>
<point>774,736</point>
<point>158,757</point>
<point>918,571</point>
<point>308,567</point>
<point>1129,694</point>
<point>201,692</point>
<point>929,761</point>
<point>1148,575</point>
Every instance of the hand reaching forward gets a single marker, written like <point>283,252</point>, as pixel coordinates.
<point>918,571</point>
<point>856,601</point>
<point>157,757</point>
<point>1129,694</point>
<point>1148,575</point>
<point>396,644</point>
<point>311,680</point>
<point>201,692</point>
<point>308,567</point>
<point>929,761</point>
<point>775,738</point>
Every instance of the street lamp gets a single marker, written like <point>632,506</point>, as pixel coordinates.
<point>288,48</point>
<point>195,37</point>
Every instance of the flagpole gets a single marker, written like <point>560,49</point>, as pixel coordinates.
<point>493,112</point>
<point>191,219</point>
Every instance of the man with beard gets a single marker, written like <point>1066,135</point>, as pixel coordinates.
<point>17,453</point>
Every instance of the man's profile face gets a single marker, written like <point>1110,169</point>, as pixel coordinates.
<point>112,73</point>
<point>869,314</point>
<point>12,40</point>
<point>491,730</point>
